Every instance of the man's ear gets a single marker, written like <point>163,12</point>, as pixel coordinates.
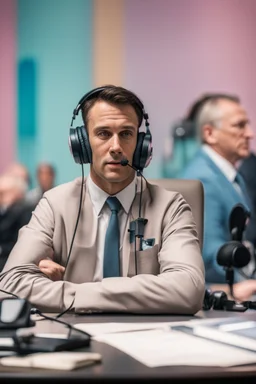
<point>209,134</point>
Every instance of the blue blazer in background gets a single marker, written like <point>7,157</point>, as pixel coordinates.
<point>220,196</point>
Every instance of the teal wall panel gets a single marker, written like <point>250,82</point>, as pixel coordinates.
<point>57,36</point>
<point>27,98</point>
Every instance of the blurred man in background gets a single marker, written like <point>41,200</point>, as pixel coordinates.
<point>14,212</point>
<point>19,170</point>
<point>46,180</point>
<point>225,133</point>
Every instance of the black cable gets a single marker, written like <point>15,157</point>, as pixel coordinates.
<point>10,293</point>
<point>73,237</point>
<point>36,311</point>
<point>77,220</point>
<point>135,256</point>
<point>140,174</point>
<point>65,311</point>
<point>124,162</point>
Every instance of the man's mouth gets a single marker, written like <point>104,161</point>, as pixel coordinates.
<point>114,163</point>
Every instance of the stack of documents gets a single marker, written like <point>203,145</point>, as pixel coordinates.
<point>238,332</point>
<point>165,344</point>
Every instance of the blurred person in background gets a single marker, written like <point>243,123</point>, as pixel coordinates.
<point>19,170</point>
<point>225,132</point>
<point>45,175</point>
<point>14,212</point>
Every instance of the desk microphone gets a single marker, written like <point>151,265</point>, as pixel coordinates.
<point>237,221</point>
<point>233,254</point>
<point>137,226</point>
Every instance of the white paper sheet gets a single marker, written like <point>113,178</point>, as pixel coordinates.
<point>156,348</point>
<point>95,329</point>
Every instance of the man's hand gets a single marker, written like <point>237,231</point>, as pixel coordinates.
<point>244,290</point>
<point>54,271</point>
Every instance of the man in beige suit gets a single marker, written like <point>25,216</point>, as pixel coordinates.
<point>59,260</point>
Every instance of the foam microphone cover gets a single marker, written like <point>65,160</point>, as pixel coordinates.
<point>124,162</point>
<point>237,221</point>
<point>233,254</point>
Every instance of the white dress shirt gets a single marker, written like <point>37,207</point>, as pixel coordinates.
<point>225,166</point>
<point>103,213</point>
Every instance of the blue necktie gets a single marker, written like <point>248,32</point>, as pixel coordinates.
<point>240,181</point>
<point>111,265</point>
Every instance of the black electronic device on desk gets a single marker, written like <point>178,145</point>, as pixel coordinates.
<point>15,317</point>
<point>232,254</point>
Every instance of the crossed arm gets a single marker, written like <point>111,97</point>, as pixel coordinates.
<point>51,269</point>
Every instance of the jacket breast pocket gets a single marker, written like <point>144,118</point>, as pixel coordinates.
<point>147,262</point>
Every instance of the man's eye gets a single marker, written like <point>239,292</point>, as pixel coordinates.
<point>126,133</point>
<point>240,124</point>
<point>103,134</point>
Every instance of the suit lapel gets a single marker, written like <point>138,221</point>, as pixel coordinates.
<point>227,185</point>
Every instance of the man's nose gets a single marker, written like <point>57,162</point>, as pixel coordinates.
<point>249,132</point>
<point>115,144</point>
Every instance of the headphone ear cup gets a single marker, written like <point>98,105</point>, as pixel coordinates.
<point>86,152</point>
<point>143,152</point>
<point>137,153</point>
<point>74,145</point>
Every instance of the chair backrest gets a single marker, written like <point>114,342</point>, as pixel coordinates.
<point>193,193</point>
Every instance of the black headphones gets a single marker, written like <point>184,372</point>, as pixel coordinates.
<point>79,143</point>
<point>187,126</point>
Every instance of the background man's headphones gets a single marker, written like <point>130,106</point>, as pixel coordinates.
<point>79,140</point>
<point>187,126</point>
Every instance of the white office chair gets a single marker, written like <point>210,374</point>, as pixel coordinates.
<point>193,193</point>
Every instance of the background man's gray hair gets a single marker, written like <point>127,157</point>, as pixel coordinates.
<point>211,113</point>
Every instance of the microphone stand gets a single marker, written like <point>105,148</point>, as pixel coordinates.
<point>220,300</point>
<point>222,303</point>
<point>232,305</point>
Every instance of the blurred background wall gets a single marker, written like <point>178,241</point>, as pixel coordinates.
<point>169,52</point>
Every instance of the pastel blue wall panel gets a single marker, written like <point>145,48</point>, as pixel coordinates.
<point>57,36</point>
<point>27,98</point>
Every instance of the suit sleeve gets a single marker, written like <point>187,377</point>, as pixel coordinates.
<point>21,274</point>
<point>178,288</point>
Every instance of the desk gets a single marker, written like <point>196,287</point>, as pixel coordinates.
<point>116,365</point>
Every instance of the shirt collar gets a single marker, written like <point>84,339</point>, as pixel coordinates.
<point>225,166</point>
<point>99,197</point>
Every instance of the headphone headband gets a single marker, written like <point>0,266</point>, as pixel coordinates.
<point>94,93</point>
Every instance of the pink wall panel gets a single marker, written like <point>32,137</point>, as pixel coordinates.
<point>176,50</point>
<point>7,82</point>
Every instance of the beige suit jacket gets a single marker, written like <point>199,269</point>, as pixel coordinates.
<point>170,275</point>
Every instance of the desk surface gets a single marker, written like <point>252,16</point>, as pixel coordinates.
<point>117,365</point>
